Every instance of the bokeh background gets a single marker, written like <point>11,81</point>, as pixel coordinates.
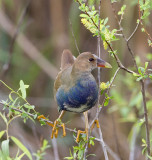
<point>44,29</point>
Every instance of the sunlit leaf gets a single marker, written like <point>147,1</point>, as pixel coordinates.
<point>23,89</point>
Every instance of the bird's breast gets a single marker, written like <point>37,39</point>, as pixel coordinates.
<point>80,97</point>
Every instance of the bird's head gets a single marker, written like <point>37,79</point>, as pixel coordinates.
<point>87,61</point>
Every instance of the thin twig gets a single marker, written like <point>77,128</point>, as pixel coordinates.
<point>123,35</point>
<point>55,149</point>
<point>110,151</point>
<point>133,144</point>
<point>99,55</point>
<point>133,33</point>
<point>74,37</point>
<point>102,143</point>
<point>146,117</point>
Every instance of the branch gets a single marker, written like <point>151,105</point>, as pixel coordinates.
<point>102,143</point>
<point>55,149</point>
<point>75,41</point>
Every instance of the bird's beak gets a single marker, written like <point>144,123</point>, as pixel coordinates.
<point>102,63</point>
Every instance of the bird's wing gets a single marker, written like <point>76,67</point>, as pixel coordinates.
<point>67,61</point>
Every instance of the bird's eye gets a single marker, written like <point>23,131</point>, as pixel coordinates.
<point>91,59</point>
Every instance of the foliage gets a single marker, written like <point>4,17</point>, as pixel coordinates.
<point>90,19</point>
<point>41,152</point>
<point>19,107</point>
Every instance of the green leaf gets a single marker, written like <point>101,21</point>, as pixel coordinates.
<point>138,79</point>
<point>141,70</point>
<point>105,21</point>
<point>135,74</point>
<point>149,157</point>
<point>29,106</point>
<point>10,96</point>
<point>23,89</point>
<point>146,65</point>
<point>4,118</point>
<point>144,141</point>
<point>5,147</point>
<point>106,102</point>
<point>84,16</point>
<point>1,134</point>
<point>68,158</point>
<point>22,147</point>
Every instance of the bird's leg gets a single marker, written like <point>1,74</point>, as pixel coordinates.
<point>86,123</point>
<point>96,122</point>
<point>86,127</point>
<point>57,121</point>
<point>55,130</point>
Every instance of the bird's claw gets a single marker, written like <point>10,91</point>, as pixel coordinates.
<point>54,126</point>
<point>78,135</point>
<point>96,122</point>
<point>55,129</point>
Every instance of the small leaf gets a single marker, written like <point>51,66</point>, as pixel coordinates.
<point>143,140</point>
<point>10,97</point>
<point>135,74</point>
<point>22,147</point>
<point>68,158</point>
<point>146,65</point>
<point>23,89</point>
<point>106,102</point>
<point>1,134</point>
<point>5,147</point>
<point>29,106</point>
<point>105,21</point>
<point>138,79</point>
<point>4,118</point>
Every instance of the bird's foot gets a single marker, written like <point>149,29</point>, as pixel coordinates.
<point>96,122</point>
<point>54,126</point>
<point>43,117</point>
<point>78,135</point>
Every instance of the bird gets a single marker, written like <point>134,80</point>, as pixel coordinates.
<point>75,88</point>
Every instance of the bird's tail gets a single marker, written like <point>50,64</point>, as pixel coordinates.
<point>67,59</point>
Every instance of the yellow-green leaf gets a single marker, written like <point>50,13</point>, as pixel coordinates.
<point>1,134</point>
<point>22,147</point>
<point>23,89</point>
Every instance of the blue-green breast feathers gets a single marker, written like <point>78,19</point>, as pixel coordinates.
<point>80,97</point>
